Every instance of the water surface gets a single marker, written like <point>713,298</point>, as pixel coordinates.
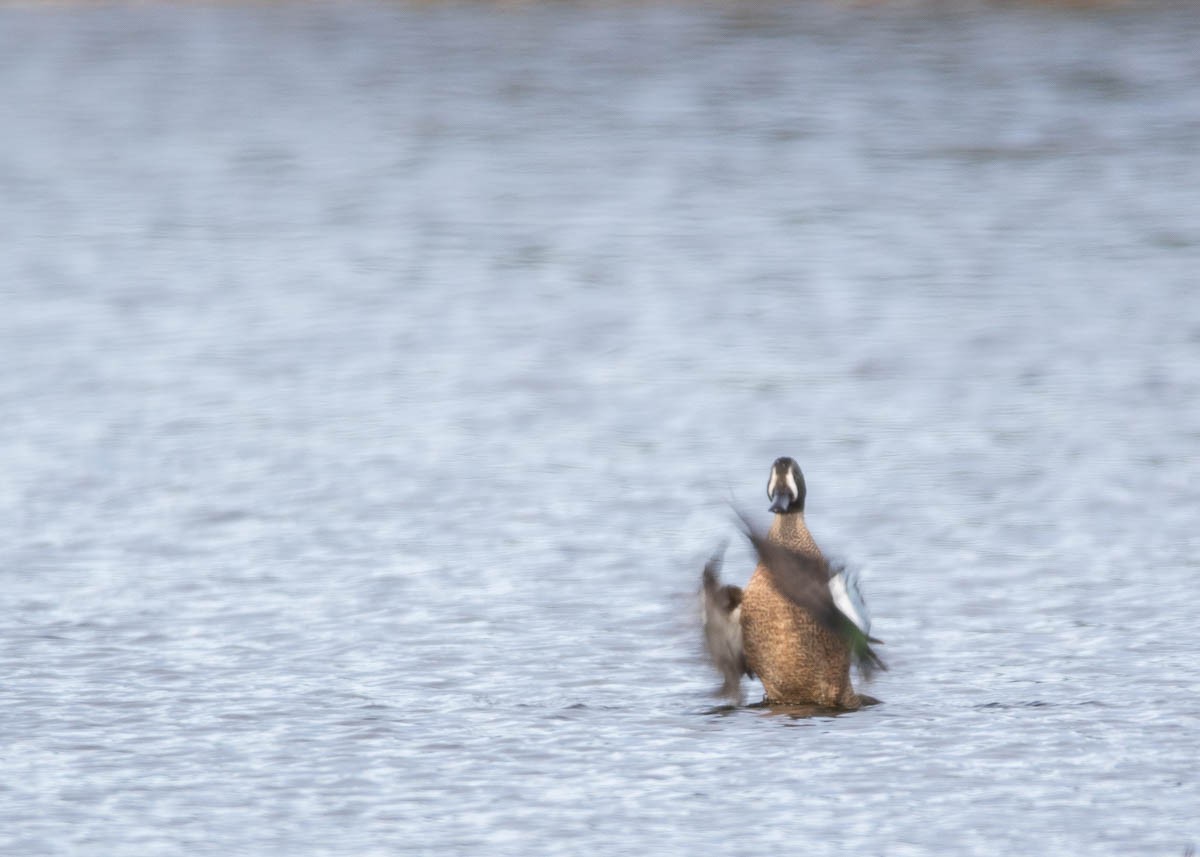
<point>376,379</point>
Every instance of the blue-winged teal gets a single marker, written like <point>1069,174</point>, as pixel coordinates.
<point>794,627</point>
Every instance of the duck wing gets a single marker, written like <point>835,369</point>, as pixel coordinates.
<point>723,627</point>
<point>805,578</point>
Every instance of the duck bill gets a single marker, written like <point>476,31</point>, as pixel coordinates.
<point>780,501</point>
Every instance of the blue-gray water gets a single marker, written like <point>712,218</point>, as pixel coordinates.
<point>375,380</point>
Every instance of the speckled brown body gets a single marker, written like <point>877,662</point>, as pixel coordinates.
<point>798,661</point>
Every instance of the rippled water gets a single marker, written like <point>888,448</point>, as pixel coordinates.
<point>376,379</point>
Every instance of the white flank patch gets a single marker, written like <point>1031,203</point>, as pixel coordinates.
<point>847,602</point>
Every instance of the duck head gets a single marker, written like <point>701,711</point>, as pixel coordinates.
<point>785,487</point>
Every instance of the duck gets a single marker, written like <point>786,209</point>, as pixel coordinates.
<point>795,627</point>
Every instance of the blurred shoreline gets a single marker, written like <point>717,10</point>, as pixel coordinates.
<point>947,6</point>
